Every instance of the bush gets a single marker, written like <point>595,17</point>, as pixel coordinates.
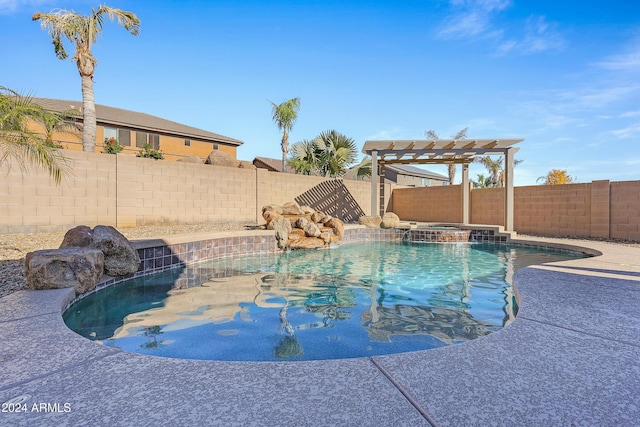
<point>150,152</point>
<point>111,146</point>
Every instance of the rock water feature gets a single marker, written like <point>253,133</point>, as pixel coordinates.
<point>302,227</point>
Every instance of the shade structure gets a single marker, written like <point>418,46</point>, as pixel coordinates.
<point>441,151</point>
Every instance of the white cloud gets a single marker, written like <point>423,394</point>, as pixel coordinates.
<point>630,114</point>
<point>479,19</point>
<point>629,61</point>
<point>539,36</point>
<point>391,134</point>
<point>8,7</point>
<point>472,18</point>
<point>630,132</point>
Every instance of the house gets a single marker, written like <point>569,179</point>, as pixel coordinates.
<point>133,129</point>
<point>271,164</point>
<point>412,176</point>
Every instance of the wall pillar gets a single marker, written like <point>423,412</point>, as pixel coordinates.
<point>508,188</point>
<point>374,183</point>
<point>465,194</point>
<point>600,209</point>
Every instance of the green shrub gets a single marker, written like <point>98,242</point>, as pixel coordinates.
<point>150,152</point>
<point>111,146</point>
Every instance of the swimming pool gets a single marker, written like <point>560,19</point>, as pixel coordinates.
<point>360,299</point>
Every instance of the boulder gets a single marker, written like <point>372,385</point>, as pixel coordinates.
<point>296,232</point>
<point>326,236</point>
<point>219,158</point>
<point>306,243</point>
<point>282,227</point>
<point>73,267</point>
<point>311,230</point>
<point>270,216</point>
<point>119,256</point>
<point>243,164</point>
<point>190,159</point>
<point>337,226</point>
<point>301,223</point>
<point>370,221</point>
<point>291,208</point>
<point>390,220</point>
<point>318,216</point>
<point>273,208</point>
<point>79,236</point>
<point>307,209</point>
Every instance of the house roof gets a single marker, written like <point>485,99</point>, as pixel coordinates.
<point>119,117</point>
<point>274,165</point>
<point>414,171</point>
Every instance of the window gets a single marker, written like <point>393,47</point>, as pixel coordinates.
<point>141,139</point>
<point>124,137</point>
<point>154,140</point>
<point>187,142</point>
<point>110,133</point>
<point>215,145</point>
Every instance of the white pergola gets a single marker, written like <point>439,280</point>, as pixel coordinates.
<point>440,151</point>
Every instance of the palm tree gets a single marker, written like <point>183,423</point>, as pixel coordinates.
<point>303,157</point>
<point>83,31</point>
<point>285,115</point>
<point>17,142</point>
<point>495,169</point>
<point>363,169</point>
<point>462,134</point>
<point>482,181</point>
<point>335,153</point>
<point>53,122</point>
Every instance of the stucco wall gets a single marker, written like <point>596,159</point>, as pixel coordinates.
<point>442,204</point>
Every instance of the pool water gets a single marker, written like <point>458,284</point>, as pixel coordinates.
<point>356,300</point>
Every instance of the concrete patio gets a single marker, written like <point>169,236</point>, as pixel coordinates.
<point>571,358</point>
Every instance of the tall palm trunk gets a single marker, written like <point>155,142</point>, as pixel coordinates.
<point>89,115</point>
<point>285,150</point>
<point>452,173</point>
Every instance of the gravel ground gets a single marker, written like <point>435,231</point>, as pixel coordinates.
<point>14,247</point>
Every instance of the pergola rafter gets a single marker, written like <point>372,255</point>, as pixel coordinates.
<point>441,151</point>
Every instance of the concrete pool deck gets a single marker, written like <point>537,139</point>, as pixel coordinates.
<point>571,358</point>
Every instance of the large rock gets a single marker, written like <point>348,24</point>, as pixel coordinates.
<point>390,220</point>
<point>274,208</point>
<point>337,226</point>
<point>243,164</point>
<point>120,258</point>
<point>311,230</point>
<point>306,243</point>
<point>318,216</point>
<point>270,216</point>
<point>79,236</point>
<point>219,158</point>
<point>291,208</point>
<point>73,267</point>
<point>282,227</point>
<point>370,221</point>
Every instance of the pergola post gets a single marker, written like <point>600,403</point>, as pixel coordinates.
<point>465,193</point>
<point>375,202</point>
<point>508,188</point>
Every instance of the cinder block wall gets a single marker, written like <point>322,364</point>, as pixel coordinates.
<point>625,210</point>
<point>599,209</point>
<point>553,210</point>
<point>487,206</point>
<point>126,191</point>
<point>30,201</point>
<point>429,204</point>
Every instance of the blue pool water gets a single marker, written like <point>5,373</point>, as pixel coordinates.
<point>360,299</point>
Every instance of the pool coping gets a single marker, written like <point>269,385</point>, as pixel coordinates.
<point>573,363</point>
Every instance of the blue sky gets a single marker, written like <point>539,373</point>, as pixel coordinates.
<point>563,75</point>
